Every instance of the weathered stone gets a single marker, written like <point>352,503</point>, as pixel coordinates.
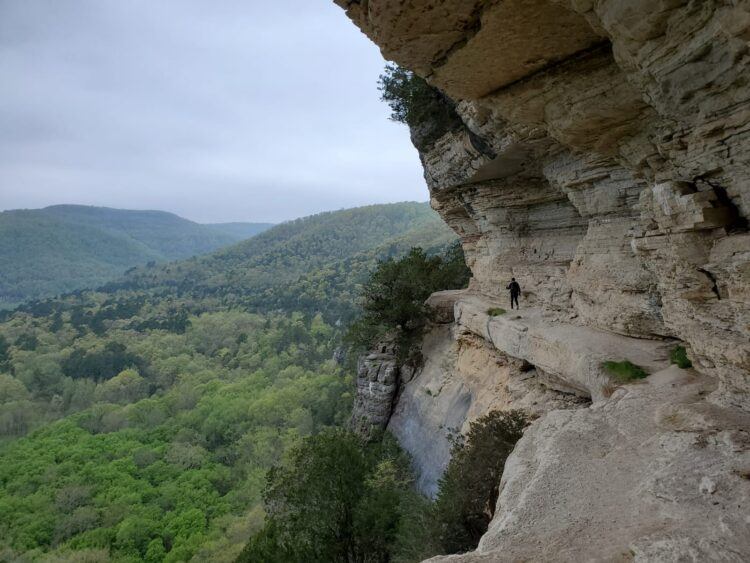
<point>501,50</point>
<point>377,384</point>
<point>605,166</point>
<point>656,473</point>
<point>442,305</point>
<point>416,33</point>
<point>472,46</point>
<point>463,378</point>
<point>601,177</point>
<point>571,356</point>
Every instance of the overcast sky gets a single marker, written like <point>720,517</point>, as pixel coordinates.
<point>217,110</point>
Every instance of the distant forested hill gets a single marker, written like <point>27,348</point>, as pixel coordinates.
<point>62,248</point>
<point>240,231</point>
<point>311,265</point>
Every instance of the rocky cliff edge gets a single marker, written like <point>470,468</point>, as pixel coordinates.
<point>602,158</point>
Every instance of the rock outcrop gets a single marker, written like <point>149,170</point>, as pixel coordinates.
<point>377,384</point>
<point>463,377</point>
<point>603,160</point>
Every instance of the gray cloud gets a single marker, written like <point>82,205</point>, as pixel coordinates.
<point>221,110</point>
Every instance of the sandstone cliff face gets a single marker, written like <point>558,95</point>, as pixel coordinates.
<point>616,186</point>
<point>464,376</point>
<point>652,474</point>
<point>604,161</point>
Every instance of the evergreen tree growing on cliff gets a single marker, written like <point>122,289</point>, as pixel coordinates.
<point>469,488</point>
<point>426,110</point>
<point>394,296</point>
<point>335,499</point>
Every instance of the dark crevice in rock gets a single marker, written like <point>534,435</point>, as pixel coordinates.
<point>443,119</point>
<point>714,284</point>
<point>472,27</point>
<point>737,223</point>
<point>478,143</point>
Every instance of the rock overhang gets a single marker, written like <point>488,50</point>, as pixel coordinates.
<point>471,48</point>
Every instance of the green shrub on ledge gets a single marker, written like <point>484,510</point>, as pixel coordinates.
<point>394,297</point>
<point>496,311</point>
<point>624,371</point>
<point>678,356</point>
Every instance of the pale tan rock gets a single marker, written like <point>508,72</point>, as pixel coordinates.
<point>612,179</point>
<point>503,50</point>
<point>603,176</point>
<point>472,46</point>
<point>463,378</point>
<point>653,474</point>
<point>416,33</point>
<point>571,356</point>
<point>453,160</point>
<point>613,289</point>
<point>442,305</point>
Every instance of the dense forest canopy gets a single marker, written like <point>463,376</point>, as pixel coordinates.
<point>138,421</point>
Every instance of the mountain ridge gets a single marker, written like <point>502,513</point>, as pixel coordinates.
<point>61,248</point>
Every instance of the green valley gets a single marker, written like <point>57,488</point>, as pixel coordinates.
<point>138,421</point>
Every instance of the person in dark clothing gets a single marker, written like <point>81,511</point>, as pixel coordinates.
<point>515,291</point>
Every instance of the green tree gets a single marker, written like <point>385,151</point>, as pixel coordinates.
<point>28,341</point>
<point>17,417</point>
<point>336,499</point>
<point>428,112</point>
<point>179,474</point>
<point>468,490</point>
<point>155,551</point>
<point>134,534</point>
<point>126,387</point>
<point>100,364</point>
<point>394,296</point>
<point>11,389</point>
<point>312,501</point>
<point>80,520</point>
<point>4,354</point>
<point>267,547</point>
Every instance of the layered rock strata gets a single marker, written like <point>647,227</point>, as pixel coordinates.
<point>463,377</point>
<point>603,160</point>
<point>377,383</point>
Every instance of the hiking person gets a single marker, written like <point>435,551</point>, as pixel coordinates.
<point>515,291</point>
